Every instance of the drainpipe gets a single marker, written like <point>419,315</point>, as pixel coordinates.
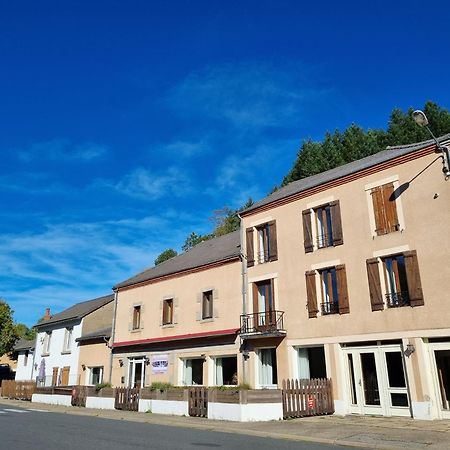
<point>244,296</point>
<point>113,334</point>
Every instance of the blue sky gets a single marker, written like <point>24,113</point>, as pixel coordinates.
<point>124,125</point>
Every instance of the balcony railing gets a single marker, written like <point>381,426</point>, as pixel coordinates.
<point>324,240</point>
<point>270,322</point>
<point>329,308</point>
<point>263,256</point>
<point>397,299</point>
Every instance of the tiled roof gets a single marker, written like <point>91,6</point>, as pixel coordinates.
<point>96,334</point>
<point>24,344</point>
<point>77,311</point>
<point>214,250</point>
<point>341,171</point>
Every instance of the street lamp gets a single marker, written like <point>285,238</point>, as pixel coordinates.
<point>421,119</point>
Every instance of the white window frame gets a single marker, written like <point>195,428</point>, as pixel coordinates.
<point>258,370</point>
<point>215,358</point>
<point>68,334</point>
<point>89,374</point>
<point>46,343</point>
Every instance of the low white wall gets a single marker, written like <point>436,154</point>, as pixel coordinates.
<point>340,407</point>
<point>171,407</point>
<point>145,406</point>
<point>100,402</point>
<point>55,399</point>
<point>422,410</point>
<point>251,412</point>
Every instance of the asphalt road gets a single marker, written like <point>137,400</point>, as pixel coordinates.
<point>22,429</point>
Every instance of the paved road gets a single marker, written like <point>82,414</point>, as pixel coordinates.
<point>34,429</point>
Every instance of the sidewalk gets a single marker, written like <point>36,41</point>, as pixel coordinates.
<point>355,431</point>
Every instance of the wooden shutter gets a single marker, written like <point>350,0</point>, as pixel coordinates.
<point>55,376</point>
<point>250,250</point>
<point>255,299</point>
<point>341,277</point>
<point>336,224</point>
<point>65,376</point>
<point>373,274</point>
<point>307,231</point>
<point>378,210</point>
<point>311,293</point>
<point>390,208</point>
<point>273,249</point>
<point>413,278</point>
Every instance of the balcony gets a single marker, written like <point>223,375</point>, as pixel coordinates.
<point>329,308</point>
<point>262,324</point>
<point>397,299</point>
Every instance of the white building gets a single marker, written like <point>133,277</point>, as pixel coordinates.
<point>24,351</point>
<point>56,361</point>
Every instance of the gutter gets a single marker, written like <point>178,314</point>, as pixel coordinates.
<point>113,334</point>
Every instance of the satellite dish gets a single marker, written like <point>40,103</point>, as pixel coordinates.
<point>420,118</point>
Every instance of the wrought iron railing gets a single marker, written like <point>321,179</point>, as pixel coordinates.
<point>324,240</point>
<point>263,256</point>
<point>329,308</point>
<point>397,299</point>
<point>262,322</point>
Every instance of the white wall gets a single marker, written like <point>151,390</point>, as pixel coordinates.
<point>56,357</point>
<point>55,399</point>
<point>24,373</point>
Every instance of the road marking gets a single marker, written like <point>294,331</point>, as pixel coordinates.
<point>38,410</point>
<point>15,410</point>
<point>2,412</point>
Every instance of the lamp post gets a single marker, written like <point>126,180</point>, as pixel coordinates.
<point>421,119</point>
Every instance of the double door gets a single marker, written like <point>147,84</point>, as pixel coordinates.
<point>376,380</point>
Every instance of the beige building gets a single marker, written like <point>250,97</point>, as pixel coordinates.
<point>178,322</point>
<point>346,276</point>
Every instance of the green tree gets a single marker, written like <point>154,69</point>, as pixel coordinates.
<point>8,333</point>
<point>23,331</point>
<point>193,239</point>
<point>165,255</point>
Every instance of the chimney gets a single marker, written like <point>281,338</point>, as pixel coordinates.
<point>47,315</point>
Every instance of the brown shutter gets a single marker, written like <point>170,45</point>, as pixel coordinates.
<point>378,210</point>
<point>390,208</point>
<point>373,274</point>
<point>344,307</point>
<point>311,293</point>
<point>413,278</point>
<point>55,376</point>
<point>250,251</point>
<point>273,249</point>
<point>307,232</point>
<point>255,299</point>
<point>336,224</point>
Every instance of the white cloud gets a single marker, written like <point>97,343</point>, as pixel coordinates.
<point>143,183</point>
<point>62,149</point>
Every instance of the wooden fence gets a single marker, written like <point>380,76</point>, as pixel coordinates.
<point>307,397</point>
<point>127,399</point>
<point>21,390</point>
<point>198,401</point>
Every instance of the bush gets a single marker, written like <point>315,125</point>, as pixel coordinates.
<point>100,386</point>
<point>160,386</point>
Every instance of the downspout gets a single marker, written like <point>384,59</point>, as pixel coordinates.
<point>244,298</point>
<point>113,334</point>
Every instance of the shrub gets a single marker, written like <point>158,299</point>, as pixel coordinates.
<point>100,386</point>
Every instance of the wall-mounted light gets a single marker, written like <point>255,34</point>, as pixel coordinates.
<point>410,349</point>
<point>83,367</point>
<point>146,360</point>
<point>121,362</point>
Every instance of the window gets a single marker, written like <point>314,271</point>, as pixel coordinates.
<point>326,230</point>
<point>136,372</point>
<point>385,209</point>
<point>396,286</point>
<point>207,305</point>
<point>264,305</point>
<point>136,317</point>
<point>311,362</point>
<point>226,371</point>
<point>67,339</point>
<point>25,357</point>
<point>47,341</point>
<point>193,371</point>
<point>402,285</point>
<point>442,358</point>
<point>266,243</point>
<point>95,375</point>
<point>333,290</point>
<point>167,318</point>
<point>268,367</point>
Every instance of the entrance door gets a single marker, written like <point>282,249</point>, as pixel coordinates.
<point>377,382</point>
<point>136,373</point>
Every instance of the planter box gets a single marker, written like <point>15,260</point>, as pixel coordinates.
<point>171,394</point>
<point>105,392</point>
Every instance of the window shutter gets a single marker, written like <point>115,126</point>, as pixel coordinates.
<point>373,274</point>
<point>307,231</point>
<point>344,307</point>
<point>378,210</point>
<point>311,293</point>
<point>273,249</point>
<point>250,250</point>
<point>255,299</point>
<point>413,278</point>
<point>390,208</point>
<point>336,224</point>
